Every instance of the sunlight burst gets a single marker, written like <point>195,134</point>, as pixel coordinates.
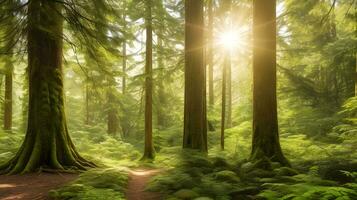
<point>230,40</point>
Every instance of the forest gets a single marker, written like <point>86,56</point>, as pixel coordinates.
<point>178,99</point>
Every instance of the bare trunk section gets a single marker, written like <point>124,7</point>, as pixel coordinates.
<point>124,51</point>
<point>161,104</point>
<point>149,151</point>
<point>210,54</point>
<point>195,120</point>
<point>47,144</point>
<point>356,77</point>
<point>112,116</point>
<point>87,102</point>
<point>8,96</point>
<point>224,87</point>
<point>265,143</point>
<point>229,91</point>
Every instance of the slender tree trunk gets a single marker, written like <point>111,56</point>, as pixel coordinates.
<point>265,121</point>
<point>124,68</point>
<point>195,120</point>
<point>47,143</point>
<point>8,96</point>
<point>161,117</point>
<point>149,152</point>
<point>229,91</point>
<point>210,54</point>
<point>355,77</point>
<point>224,87</point>
<point>229,67</point>
<point>112,121</point>
<point>87,96</point>
<point>124,54</point>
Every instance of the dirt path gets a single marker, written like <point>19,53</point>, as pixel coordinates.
<point>138,180</point>
<point>31,186</point>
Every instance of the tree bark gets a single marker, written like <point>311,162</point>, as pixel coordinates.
<point>355,77</point>
<point>149,152</point>
<point>47,143</point>
<point>112,121</point>
<point>224,87</point>
<point>265,143</point>
<point>195,120</point>
<point>124,51</point>
<point>161,116</point>
<point>229,92</point>
<point>8,96</point>
<point>87,121</point>
<point>210,54</point>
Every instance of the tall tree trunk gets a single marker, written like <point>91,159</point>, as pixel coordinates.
<point>229,92</point>
<point>112,117</point>
<point>87,102</point>
<point>224,87</point>
<point>124,50</point>
<point>265,121</point>
<point>161,117</point>
<point>195,119</point>
<point>47,143</point>
<point>229,66</point>
<point>124,68</point>
<point>210,54</point>
<point>149,152</point>
<point>8,96</point>
<point>355,77</point>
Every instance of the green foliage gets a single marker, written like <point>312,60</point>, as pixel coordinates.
<point>95,184</point>
<point>8,145</point>
<point>198,174</point>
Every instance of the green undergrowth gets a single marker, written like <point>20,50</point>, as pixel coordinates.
<point>9,144</point>
<point>96,184</point>
<point>220,176</point>
<point>96,145</point>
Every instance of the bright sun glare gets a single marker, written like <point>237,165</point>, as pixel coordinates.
<point>230,40</point>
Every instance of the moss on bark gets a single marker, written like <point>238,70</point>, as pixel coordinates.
<point>47,144</point>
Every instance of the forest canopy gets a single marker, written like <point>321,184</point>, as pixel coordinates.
<point>179,99</point>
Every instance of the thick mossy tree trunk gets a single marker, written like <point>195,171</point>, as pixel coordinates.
<point>47,144</point>
<point>8,95</point>
<point>149,151</point>
<point>210,54</point>
<point>195,120</point>
<point>265,121</point>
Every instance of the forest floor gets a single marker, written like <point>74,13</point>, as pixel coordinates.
<point>138,180</point>
<point>31,186</point>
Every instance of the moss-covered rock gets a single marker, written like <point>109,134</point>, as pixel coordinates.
<point>186,194</point>
<point>286,171</point>
<point>221,163</point>
<point>227,176</point>
<point>260,173</point>
<point>247,167</point>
